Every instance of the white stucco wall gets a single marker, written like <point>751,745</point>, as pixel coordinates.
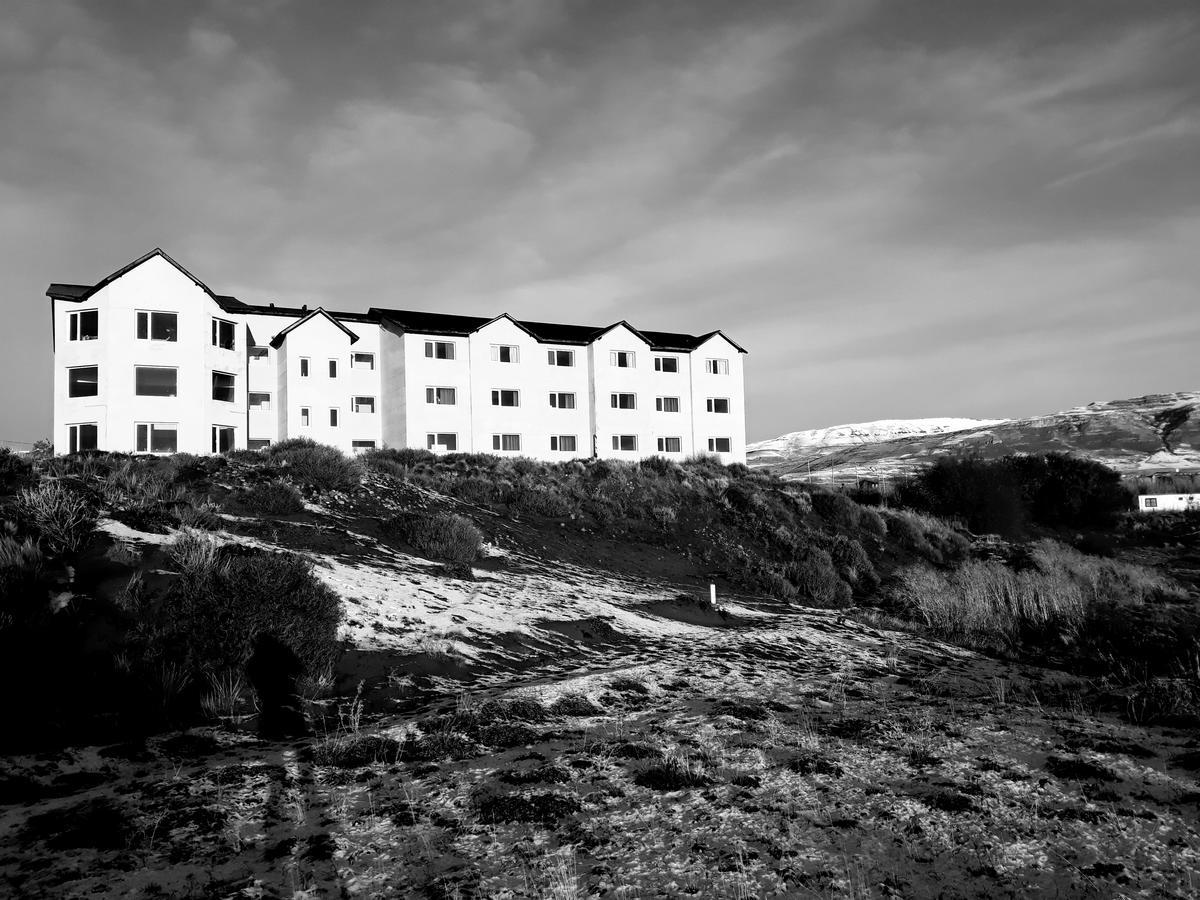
<point>1168,502</point>
<point>705,385</point>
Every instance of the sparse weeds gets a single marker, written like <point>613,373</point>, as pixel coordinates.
<point>62,518</point>
<point>675,771</point>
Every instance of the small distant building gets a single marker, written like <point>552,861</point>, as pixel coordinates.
<point>1168,502</point>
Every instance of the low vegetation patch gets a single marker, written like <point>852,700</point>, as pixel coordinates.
<point>445,536</point>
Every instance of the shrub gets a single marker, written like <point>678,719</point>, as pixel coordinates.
<point>316,466</point>
<point>13,469</point>
<point>61,517</point>
<point>853,564</point>
<point>395,460</point>
<point>542,500</point>
<point>816,579</point>
<point>196,555</point>
<point>446,536</point>
<point>22,594</point>
<point>271,498</point>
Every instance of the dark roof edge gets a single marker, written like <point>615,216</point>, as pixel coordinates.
<point>277,341</point>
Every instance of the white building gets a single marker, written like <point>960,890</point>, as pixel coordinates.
<point>1168,502</point>
<point>150,360</point>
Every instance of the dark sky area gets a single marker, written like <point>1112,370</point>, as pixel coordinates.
<point>901,209</point>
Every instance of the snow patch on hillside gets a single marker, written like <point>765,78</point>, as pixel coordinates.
<point>864,433</point>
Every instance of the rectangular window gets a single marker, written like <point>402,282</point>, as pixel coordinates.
<point>442,396</point>
<point>333,368</point>
<point>439,349</point>
<point>222,438</point>
<point>157,438</point>
<point>222,334</point>
<point>670,445</point>
<point>716,366</point>
<point>257,443</point>
<point>506,398</point>
<point>155,381</point>
<point>442,441</point>
<point>563,443</point>
<point>624,441</point>
<point>362,404</point>
<point>258,353</point>
<point>304,367</point>
<point>624,401</point>
<point>260,401</point>
<point>509,442</point>
<point>333,418</point>
<point>85,325</point>
<point>562,401</point>
<point>666,404</point>
<point>222,387</point>
<point>1151,502</point>
<point>505,353</point>
<point>83,437</point>
<point>622,359</point>
<point>560,357</point>
<point>304,416</point>
<point>157,326</point>
<point>719,445</point>
<point>718,404</point>
<point>666,364</point>
<point>362,361</point>
<point>360,446</point>
<point>84,381</point>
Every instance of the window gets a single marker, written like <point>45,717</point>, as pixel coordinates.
<point>222,334</point>
<point>716,366</point>
<point>441,441</point>
<point>622,359</point>
<point>442,396</point>
<point>157,326</point>
<point>439,349</point>
<point>506,398</point>
<point>154,381</point>
<point>666,364</point>
<point>562,401</point>
<point>624,401</point>
<point>1151,502</point>
<point>333,368</point>
<point>85,326</point>
<point>258,353</point>
<point>260,401</point>
<point>562,443</point>
<point>304,416</point>
<point>718,404</point>
<point>362,404</point>
<point>303,367</point>
<point>222,438</point>
<point>670,445</point>
<point>222,387</point>
<point>157,438</point>
<point>333,418</point>
<point>560,357</point>
<point>83,437</point>
<point>362,361</point>
<point>510,442</point>
<point>257,443</point>
<point>719,445</point>
<point>84,381</point>
<point>505,353</point>
<point>359,446</point>
<point>624,441</point>
<point>666,404</point>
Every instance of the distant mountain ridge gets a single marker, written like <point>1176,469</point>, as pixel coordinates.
<point>1159,432</point>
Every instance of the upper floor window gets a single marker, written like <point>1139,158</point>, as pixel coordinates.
<point>222,334</point>
<point>505,353</point>
<point>259,400</point>
<point>666,404</point>
<point>258,352</point>
<point>303,367</point>
<point>84,381</point>
<point>85,436</point>
<point>510,442</point>
<point>563,443</point>
<point>666,364</point>
<point>560,357</point>
<point>625,442</point>
<point>155,381</point>
<point>439,349</point>
<point>716,366</point>
<point>562,401</point>
<point>304,416</point>
<point>85,325</point>
<point>362,404</point>
<point>222,387</point>
<point>333,418</point>
<point>718,404</point>
<point>442,441</point>
<point>362,360</point>
<point>333,368</point>
<point>719,445</point>
<point>670,445</point>
<point>442,396</point>
<point>624,401</point>
<point>157,326</point>
<point>506,398</point>
<point>622,359</point>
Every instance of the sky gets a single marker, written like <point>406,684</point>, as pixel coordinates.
<point>900,209</point>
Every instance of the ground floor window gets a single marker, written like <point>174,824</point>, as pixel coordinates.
<point>359,446</point>
<point>222,438</point>
<point>304,415</point>
<point>442,441</point>
<point>719,445</point>
<point>157,437</point>
<point>257,443</point>
<point>563,443</point>
<point>85,436</point>
<point>670,445</point>
<point>624,442</point>
<point>510,442</point>
<point>1151,502</point>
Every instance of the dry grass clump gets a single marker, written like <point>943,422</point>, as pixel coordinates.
<point>446,536</point>
<point>271,498</point>
<point>63,519</point>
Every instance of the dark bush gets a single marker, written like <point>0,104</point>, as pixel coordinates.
<point>14,470</point>
<point>853,564</point>
<point>396,460</point>
<point>272,498</point>
<point>817,580</point>
<point>445,536</point>
<point>316,466</point>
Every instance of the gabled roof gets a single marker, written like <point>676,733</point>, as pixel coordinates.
<point>623,324</point>
<point>667,340</point>
<point>502,316</point>
<point>277,341</point>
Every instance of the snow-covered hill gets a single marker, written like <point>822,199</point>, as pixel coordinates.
<point>862,433</point>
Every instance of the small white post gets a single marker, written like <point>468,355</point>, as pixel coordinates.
<point>712,594</point>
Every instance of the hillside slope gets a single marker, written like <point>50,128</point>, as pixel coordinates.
<point>1153,433</point>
